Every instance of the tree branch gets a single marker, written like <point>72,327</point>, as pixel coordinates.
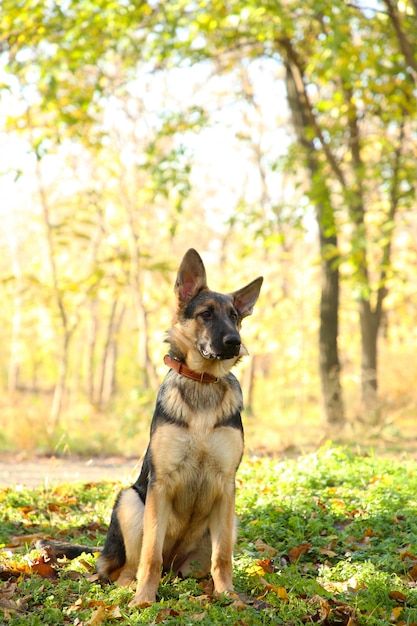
<point>405,46</point>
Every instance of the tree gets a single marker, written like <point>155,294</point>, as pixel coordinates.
<point>353,101</point>
<point>350,77</point>
<point>320,195</point>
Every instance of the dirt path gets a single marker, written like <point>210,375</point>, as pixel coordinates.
<point>46,471</point>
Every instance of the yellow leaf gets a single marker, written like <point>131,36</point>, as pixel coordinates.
<point>281,592</point>
<point>395,613</point>
<point>255,570</point>
<point>98,616</point>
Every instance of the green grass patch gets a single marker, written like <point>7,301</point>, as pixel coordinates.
<point>329,538</point>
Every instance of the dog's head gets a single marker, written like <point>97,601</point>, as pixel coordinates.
<point>208,322</point>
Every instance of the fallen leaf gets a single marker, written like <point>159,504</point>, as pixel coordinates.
<point>164,613</point>
<point>93,578</point>
<point>338,503</point>
<point>53,507</point>
<point>412,573</point>
<point>198,616</point>
<point>408,555</point>
<point>10,569</point>
<point>267,565</point>
<point>8,602</point>
<point>239,605</point>
<point>395,613</point>
<point>255,569</point>
<point>43,569</point>
<point>202,600</point>
<point>398,596</point>
<point>322,609</point>
<point>115,612</point>
<point>281,592</point>
<point>321,505</point>
<point>25,510</point>
<point>327,552</point>
<point>295,553</point>
<point>98,616</point>
<point>261,546</point>
<point>12,606</point>
<point>22,540</point>
<point>74,607</point>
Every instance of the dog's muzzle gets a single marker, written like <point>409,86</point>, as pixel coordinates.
<point>230,349</point>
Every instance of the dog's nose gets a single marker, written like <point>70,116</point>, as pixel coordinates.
<point>232,340</point>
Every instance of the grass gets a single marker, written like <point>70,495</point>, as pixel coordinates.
<point>328,538</point>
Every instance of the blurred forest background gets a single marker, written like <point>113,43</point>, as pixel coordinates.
<point>277,138</point>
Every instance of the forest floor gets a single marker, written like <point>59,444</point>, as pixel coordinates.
<point>33,471</point>
<point>37,472</point>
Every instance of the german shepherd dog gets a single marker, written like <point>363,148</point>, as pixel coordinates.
<point>179,515</point>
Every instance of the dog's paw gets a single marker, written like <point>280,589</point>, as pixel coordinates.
<point>230,594</point>
<point>141,600</point>
<point>125,579</point>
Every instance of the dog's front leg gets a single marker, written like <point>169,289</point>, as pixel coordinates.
<point>222,531</point>
<point>155,523</point>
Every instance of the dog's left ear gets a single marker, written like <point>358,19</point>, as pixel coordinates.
<point>244,299</point>
<point>191,277</point>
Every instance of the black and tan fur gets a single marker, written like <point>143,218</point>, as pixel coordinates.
<point>180,512</point>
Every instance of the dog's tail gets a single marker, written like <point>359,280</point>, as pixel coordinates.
<point>60,549</point>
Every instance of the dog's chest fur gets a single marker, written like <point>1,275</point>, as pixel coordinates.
<point>196,451</point>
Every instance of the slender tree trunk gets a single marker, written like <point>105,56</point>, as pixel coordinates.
<point>91,341</point>
<point>146,365</point>
<point>65,330</point>
<point>329,301</point>
<point>369,322</point>
<point>248,384</point>
<point>328,334</point>
<point>107,375</point>
<point>60,385</point>
<point>17,313</point>
<point>370,316</point>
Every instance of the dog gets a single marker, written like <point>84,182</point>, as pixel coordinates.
<point>180,513</point>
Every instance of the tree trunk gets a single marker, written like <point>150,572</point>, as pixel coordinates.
<point>60,385</point>
<point>328,334</point>
<point>91,340</point>
<point>107,375</point>
<point>65,331</point>
<point>369,322</point>
<point>329,301</point>
<point>15,343</point>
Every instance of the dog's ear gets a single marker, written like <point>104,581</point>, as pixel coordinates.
<point>191,277</point>
<point>244,299</point>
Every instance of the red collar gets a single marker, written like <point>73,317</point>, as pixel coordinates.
<point>182,369</point>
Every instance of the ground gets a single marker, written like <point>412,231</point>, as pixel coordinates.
<point>36,472</point>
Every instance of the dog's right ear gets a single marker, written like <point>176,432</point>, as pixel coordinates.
<point>191,277</point>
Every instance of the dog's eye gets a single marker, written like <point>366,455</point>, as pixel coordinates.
<point>233,316</point>
<point>207,314</point>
